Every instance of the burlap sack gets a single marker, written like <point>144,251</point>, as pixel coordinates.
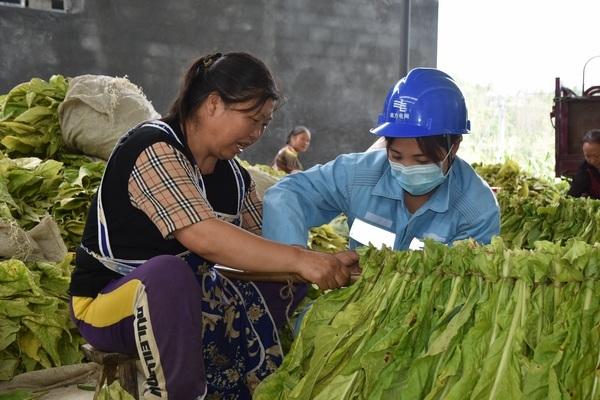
<point>42,243</point>
<point>98,109</point>
<point>262,179</point>
<point>14,241</point>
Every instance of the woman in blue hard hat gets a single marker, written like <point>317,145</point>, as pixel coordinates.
<point>414,188</point>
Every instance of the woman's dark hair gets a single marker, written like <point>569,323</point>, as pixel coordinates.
<point>592,136</point>
<point>236,77</point>
<point>297,130</point>
<point>434,147</point>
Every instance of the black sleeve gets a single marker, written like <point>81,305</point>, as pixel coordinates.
<point>580,183</point>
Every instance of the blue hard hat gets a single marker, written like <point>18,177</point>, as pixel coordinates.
<point>426,102</point>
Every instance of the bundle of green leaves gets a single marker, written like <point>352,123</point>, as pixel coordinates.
<point>35,328</point>
<point>114,391</point>
<point>331,237</point>
<point>460,322</point>
<point>527,220</point>
<point>535,209</point>
<point>81,178</point>
<point>510,178</point>
<point>264,168</point>
<point>29,124</point>
<point>31,188</point>
<point>28,188</point>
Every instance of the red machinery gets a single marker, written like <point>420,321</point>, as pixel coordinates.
<point>573,117</point>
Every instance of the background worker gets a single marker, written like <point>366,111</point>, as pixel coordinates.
<point>586,182</point>
<point>414,188</point>
<point>287,158</point>
<point>172,203</point>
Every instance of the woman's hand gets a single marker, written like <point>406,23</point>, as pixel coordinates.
<point>226,244</point>
<point>350,259</point>
<point>328,271</point>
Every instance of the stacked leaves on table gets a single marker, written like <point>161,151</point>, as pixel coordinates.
<point>535,209</point>
<point>461,322</point>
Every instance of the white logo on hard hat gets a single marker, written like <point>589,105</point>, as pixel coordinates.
<point>402,106</point>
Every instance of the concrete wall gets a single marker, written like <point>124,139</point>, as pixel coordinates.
<point>334,59</point>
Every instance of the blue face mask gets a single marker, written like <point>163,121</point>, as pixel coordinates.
<point>418,179</point>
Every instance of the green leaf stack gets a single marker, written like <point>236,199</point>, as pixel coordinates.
<point>331,237</point>
<point>461,322</point>
<point>29,124</point>
<point>35,328</point>
<point>31,188</point>
<point>535,209</point>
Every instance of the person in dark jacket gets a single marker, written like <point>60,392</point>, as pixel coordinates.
<point>587,179</point>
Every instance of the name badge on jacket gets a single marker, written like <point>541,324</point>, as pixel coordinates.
<point>365,233</point>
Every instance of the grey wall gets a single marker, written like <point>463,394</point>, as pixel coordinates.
<point>334,59</point>
<point>423,33</point>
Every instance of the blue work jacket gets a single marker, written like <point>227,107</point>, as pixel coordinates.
<point>361,185</point>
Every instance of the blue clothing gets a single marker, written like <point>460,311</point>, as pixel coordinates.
<point>361,185</point>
